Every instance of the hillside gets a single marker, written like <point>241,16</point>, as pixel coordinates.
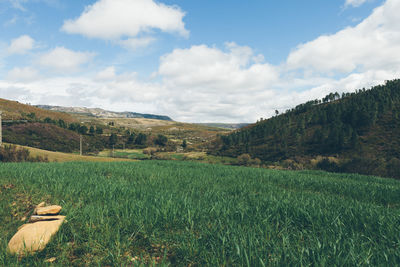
<point>13,110</point>
<point>101,113</point>
<point>59,131</point>
<point>361,129</point>
<point>51,137</point>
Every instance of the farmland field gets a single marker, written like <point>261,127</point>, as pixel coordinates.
<point>188,214</point>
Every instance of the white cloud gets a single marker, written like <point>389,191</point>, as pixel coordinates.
<point>11,21</point>
<point>372,44</point>
<point>106,74</point>
<point>233,84</point>
<point>21,4</point>
<point>135,43</point>
<point>204,82</point>
<point>22,74</point>
<point>115,19</point>
<point>18,4</point>
<point>354,3</point>
<point>210,69</point>
<point>21,45</point>
<point>63,59</point>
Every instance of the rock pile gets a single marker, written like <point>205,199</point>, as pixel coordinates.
<point>35,235</point>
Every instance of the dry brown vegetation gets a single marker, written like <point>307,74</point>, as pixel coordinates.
<point>13,110</point>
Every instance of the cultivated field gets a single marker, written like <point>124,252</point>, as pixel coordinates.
<point>193,214</point>
<point>67,157</point>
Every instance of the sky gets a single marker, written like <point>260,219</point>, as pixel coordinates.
<point>195,61</point>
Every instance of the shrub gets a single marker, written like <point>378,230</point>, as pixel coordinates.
<point>256,162</point>
<point>328,165</point>
<point>161,140</point>
<point>365,165</point>
<point>244,159</point>
<point>150,151</point>
<point>393,168</point>
<point>10,153</point>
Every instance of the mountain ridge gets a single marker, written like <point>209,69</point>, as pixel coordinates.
<point>102,113</point>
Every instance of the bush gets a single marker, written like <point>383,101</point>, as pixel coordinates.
<point>10,153</point>
<point>256,162</point>
<point>161,140</point>
<point>365,165</point>
<point>328,165</point>
<point>290,164</point>
<point>244,159</point>
<point>149,151</point>
<point>393,168</point>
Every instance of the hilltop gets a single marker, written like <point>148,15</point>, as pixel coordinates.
<point>13,110</point>
<point>101,113</point>
<point>359,132</point>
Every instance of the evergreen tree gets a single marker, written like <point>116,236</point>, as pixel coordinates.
<point>131,138</point>
<point>82,129</point>
<point>112,139</point>
<point>141,139</point>
<point>99,130</point>
<point>161,140</point>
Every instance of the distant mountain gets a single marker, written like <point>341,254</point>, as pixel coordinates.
<point>232,126</point>
<point>101,113</point>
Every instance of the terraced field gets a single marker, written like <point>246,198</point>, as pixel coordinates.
<point>194,214</point>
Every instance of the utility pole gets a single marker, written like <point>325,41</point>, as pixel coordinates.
<point>80,144</point>
<point>1,133</point>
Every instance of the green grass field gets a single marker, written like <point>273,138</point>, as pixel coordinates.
<point>194,214</point>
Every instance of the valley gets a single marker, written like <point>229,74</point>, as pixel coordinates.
<point>286,190</point>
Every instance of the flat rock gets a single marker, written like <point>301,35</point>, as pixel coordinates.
<point>34,237</point>
<point>49,210</point>
<point>38,218</point>
<point>42,204</point>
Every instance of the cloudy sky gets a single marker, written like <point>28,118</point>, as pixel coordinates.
<point>196,61</point>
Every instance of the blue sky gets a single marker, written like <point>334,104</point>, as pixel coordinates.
<point>196,61</point>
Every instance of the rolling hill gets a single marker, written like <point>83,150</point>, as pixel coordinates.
<point>361,130</point>
<point>57,130</point>
<point>13,110</point>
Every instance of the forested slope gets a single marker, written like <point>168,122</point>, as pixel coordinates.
<point>362,125</point>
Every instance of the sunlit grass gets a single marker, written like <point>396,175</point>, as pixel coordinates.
<point>185,213</point>
<point>67,157</point>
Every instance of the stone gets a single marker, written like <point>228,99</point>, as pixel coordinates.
<point>34,237</point>
<point>49,210</point>
<point>51,260</point>
<point>40,205</point>
<point>38,218</point>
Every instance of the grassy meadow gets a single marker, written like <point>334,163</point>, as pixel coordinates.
<point>195,214</point>
<point>53,156</point>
